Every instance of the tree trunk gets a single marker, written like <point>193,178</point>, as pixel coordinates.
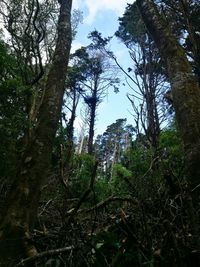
<point>93,106</point>
<point>22,204</point>
<point>186,99</point>
<point>185,89</point>
<point>70,143</point>
<point>91,130</point>
<point>194,38</point>
<point>149,94</point>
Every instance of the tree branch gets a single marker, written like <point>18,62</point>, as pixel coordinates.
<point>108,200</point>
<point>44,254</point>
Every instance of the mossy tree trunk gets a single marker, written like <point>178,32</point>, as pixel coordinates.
<point>186,100</point>
<point>22,205</point>
<point>185,88</point>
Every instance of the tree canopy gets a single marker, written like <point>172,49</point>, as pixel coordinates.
<point>128,196</point>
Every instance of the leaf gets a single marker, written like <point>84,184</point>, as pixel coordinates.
<point>99,245</point>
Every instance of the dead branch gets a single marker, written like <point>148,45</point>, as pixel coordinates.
<point>44,254</point>
<point>108,200</point>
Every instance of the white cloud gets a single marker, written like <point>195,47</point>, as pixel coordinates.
<point>75,45</point>
<point>95,6</point>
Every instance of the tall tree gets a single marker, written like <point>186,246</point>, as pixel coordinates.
<point>146,78</point>
<point>23,200</point>
<point>33,40</point>
<point>184,16</point>
<point>98,75</point>
<point>71,101</point>
<point>186,96</point>
<point>185,89</point>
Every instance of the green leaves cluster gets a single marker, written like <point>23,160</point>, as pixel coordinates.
<point>13,117</point>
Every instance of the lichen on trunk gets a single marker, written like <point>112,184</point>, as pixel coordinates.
<point>185,88</point>
<point>186,100</point>
<point>23,200</point>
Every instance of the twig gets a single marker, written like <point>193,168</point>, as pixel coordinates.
<point>45,206</point>
<point>150,167</point>
<point>196,187</point>
<point>44,254</point>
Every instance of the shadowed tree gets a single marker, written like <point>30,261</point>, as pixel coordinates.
<point>183,15</point>
<point>186,98</point>
<point>185,89</point>
<point>71,101</point>
<point>21,210</point>
<point>33,41</point>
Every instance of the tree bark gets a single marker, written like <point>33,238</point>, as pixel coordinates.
<point>93,107</point>
<point>186,100</point>
<point>91,129</point>
<point>22,205</point>
<point>69,146</point>
<point>185,88</point>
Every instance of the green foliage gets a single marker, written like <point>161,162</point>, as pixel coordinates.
<point>138,157</point>
<point>110,146</point>
<point>172,149</point>
<point>103,189</point>
<point>92,72</point>
<point>8,63</point>
<point>83,168</point>
<point>13,118</point>
<point>118,183</point>
<point>117,234</point>
<point>117,246</point>
<point>105,243</point>
<point>131,27</point>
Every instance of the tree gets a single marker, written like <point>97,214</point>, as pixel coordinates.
<point>27,35</point>
<point>66,133</point>
<point>146,78</point>
<point>20,213</point>
<point>111,145</point>
<point>33,40</point>
<point>13,120</point>
<point>186,97</point>
<point>185,90</point>
<point>184,19</point>
<point>98,75</point>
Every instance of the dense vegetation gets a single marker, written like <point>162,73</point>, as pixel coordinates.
<point>127,197</point>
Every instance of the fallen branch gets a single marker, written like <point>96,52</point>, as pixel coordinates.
<point>109,200</point>
<point>44,254</point>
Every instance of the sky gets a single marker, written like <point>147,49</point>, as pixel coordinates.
<point>102,15</point>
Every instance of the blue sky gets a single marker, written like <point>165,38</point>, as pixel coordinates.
<point>103,15</point>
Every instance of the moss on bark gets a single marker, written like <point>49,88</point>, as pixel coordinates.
<point>21,211</point>
<point>185,88</point>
